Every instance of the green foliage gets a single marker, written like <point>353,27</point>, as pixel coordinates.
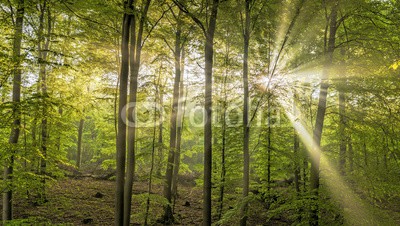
<point>82,80</point>
<point>30,221</point>
<point>156,204</point>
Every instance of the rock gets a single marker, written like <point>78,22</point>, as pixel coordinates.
<point>87,221</point>
<point>98,195</point>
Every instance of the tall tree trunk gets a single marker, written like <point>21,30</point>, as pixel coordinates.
<point>246,127</point>
<point>43,49</point>
<point>13,140</point>
<point>121,137</point>
<point>209,31</point>
<point>223,145</point>
<point>79,152</point>
<point>153,148</point>
<point>317,134</point>
<point>160,135</point>
<point>135,54</point>
<point>345,139</point>
<point>168,217</point>
<point>342,117</point>
<point>269,145</point>
<point>58,143</point>
<point>181,109</point>
<point>209,56</point>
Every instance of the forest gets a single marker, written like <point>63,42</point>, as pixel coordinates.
<point>200,112</point>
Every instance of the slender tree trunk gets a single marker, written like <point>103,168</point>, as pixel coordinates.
<point>296,150</point>
<point>168,218</point>
<point>223,145</point>
<point>121,137</point>
<point>43,48</point>
<point>317,134</point>
<point>160,136</point>
<point>178,157</point>
<point>181,106</point>
<point>343,138</point>
<point>13,140</point>
<point>246,128</point>
<point>209,31</point>
<point>209,56</point>
<point>60,112</point>
<point>305,169</point>
<point>79,152</point>
<point>135,54</point>
<point>269,145</point>
<point>351,154</point>
<point>153,149</point>
<point>342,119</point>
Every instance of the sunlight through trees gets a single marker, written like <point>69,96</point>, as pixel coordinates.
<point>202,112</point>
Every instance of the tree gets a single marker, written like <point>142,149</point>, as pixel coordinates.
<point>168,217</point>
<point>79,151</point>
<point>43,50</point>
<point>246,126</point>
<point>136,45</point>
<point>323,94</point>
<point>180,123</point>
<point>209,32</point>
<point>121,136</point>
<point>16,98</point>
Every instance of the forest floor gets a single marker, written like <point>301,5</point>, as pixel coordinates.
<point>79,201</point>
<point>85,200</point>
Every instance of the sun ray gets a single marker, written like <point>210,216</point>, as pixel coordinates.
<point>356,211</point>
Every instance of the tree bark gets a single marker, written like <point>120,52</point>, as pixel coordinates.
<point>160,136</point>
<point>208,67</point>
<point>317,133</point>
<point>246,128</point>
<point>121,137</point>
<point>223,145</point>
<point>79,152</point>
<point>209,54</point>
<point>16,98</point>
<point>269,144</point>
<point>342,117</point>
<point>153,148</point>
<point>135,54</point>
<point>43,49</point>
<point>181,112</point>
<point>168,217</point>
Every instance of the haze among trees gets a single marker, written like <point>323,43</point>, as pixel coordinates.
<point>201,112</point>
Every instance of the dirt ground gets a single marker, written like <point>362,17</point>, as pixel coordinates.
<point>89,201</point>
<point>80,201</point>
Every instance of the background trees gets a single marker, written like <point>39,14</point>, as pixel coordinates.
<point>272,136</point>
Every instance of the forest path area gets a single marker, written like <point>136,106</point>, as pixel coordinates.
<point>81,201</point>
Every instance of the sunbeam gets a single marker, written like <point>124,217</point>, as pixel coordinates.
<point>355,210</point>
